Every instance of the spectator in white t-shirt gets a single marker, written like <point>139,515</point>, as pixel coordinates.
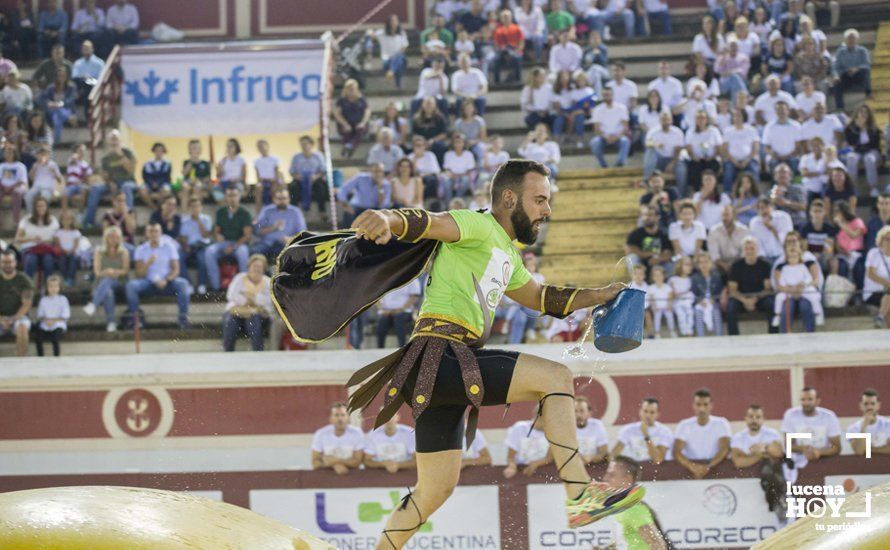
<point>871,423</point>
<point>701,442</point>
<point>538,146</point>
<point>876,287</point>
<point>268,174</point>
<point>565,55</point>
<point>395,310</point>
<point>529,450</point>
<point>770,227</point>
<point>432,82</point>
<point>477,454</point>
<point>814,169</point>
<point>625,91</point>
<point>611,121</point>
<point>808,97</point>
<point>669,87</point>
<point>393,43</point>
<point>687,234</point>
<point>741,150</point>
<point>647,439</point>
<point>704,142</point>
<point>458,171</point>
<point>710,201</point>
<point>823,125</point>
<point>782,139</point>
<point>390,447</point>
<point>819,423</point>
<point>338,446</point>
<point>708,43</point>
<point>765,105</point>
<point>664,144</point>
<point>468,82</point>
<point>53,313</point>
<point>536,99</point>
<point>757,442</point>
<point>593,443</point>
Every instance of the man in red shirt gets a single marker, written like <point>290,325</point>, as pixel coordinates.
<point>509,42</point>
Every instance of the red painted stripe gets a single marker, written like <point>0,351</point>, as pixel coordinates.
<point>325,12</point>
<point>49,415</point>
<point>840,388</point>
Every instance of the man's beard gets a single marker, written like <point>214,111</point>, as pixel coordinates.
<point>526,232</point>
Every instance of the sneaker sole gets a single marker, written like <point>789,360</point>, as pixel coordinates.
<point>631,499</point>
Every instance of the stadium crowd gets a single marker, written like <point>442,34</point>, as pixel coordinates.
<point>698,443</point>
<point>755,172</point>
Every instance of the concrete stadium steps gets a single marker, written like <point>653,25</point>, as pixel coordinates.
<point>880,74</point>
<point>592,214</point>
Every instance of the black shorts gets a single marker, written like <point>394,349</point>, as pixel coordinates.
<point>875,298</point>
<point>440,427</point>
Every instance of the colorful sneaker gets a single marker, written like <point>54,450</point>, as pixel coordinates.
<point>600,500</point>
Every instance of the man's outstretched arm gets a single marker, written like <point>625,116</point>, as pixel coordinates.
<point>560,302</point>
<point>382,225</point>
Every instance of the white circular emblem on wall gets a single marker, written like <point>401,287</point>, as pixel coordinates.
<point>137,412</point>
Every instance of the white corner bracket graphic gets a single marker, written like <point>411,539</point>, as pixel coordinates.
<point>789,440</point>
<point>867,437</point>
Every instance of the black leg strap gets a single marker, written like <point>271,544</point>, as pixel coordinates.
<point>573,449</point>
<point>407,498</point>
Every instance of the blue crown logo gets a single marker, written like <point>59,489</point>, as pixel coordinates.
<point>154,96</point>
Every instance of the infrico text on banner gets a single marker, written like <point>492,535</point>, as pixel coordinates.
<point>226,90</point>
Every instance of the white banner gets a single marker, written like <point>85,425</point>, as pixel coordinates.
<point>720,513</point>
<point>191,93</point>
<point>354,518</point>
<point>857,482</point>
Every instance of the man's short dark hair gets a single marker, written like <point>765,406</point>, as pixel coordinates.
<point>337,405</point>
<point>809,388</point>
<point>709,172</point>
<point>511,174</point>
<point>7,252</point>
<point>702,392</point>
<point>755,407</point>
<point>618,65</point>
<point>684,204</point>
<point>651,401</point>
<point>870,392</point>
<point>582,399</point>
<point>631,466</point>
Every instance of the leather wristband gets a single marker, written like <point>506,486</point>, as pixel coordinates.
<point>415,224</point>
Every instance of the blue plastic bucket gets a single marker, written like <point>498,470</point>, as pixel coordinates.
<point>618,325</point>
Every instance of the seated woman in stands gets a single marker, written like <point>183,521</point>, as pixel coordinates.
<point>249,305</point>
<point>111,265</point>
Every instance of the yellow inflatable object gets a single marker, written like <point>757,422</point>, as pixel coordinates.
<point>847,533</point>
<point>115,518</point>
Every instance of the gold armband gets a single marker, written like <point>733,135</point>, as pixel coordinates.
<point>415,224</point>
<point>556,301</point>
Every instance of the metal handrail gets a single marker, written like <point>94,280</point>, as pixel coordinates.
<point>103,100</point>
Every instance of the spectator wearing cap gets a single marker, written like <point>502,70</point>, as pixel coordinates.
<point>248,304</point>
<point>647,439</point>
<point>770,227</point>
<point>611,121</point>
<point>509,43</point>
<point>782,139</point>
<point>870,423</point>
<point>864,139</point>
<point>158,272</point>
<point>277,223</point>
<point>725,239</point>
<point>122,20</point>
<point>468,84</point>
<point>749,287</point>
<point>820,423</point>
<point>704,144</point>
<point>765,104</point>
<point>851,67</point>
<point>876,286</point>
<point>233,229</point>
<point>788,196</point>
<point>385,151</point>
<point>307,168</point>
<point>701,442</point>
<point>826,126</point>
<point>741,150</point>
<point>664,145</point>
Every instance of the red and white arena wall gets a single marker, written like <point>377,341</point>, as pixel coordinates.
<point>238,427</point>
